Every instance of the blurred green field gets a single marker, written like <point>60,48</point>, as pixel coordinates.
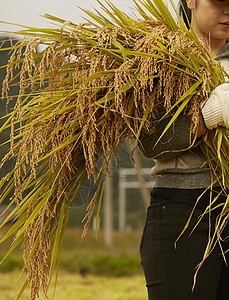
<point>88,269</point>
<point>75,287</point>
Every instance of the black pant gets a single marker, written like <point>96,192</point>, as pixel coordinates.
<point>170,270</point>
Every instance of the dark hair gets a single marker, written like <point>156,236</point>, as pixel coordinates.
<point>185,13</point>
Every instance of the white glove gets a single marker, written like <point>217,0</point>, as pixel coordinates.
<point>215,110</point>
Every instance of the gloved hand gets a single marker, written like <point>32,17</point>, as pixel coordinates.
<point>215,110</point>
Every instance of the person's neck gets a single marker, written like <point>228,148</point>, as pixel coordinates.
<point>215,46</point>
<point>210,43</point>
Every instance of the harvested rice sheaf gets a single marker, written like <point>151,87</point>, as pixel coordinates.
<point>92,87</point>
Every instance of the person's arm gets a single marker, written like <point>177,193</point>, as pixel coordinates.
<point>214,112</point>
<point>174,141</point>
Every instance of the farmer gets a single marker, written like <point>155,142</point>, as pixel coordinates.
<point>181,177</point>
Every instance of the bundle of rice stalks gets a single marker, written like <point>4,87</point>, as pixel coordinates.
<point>94,85</point>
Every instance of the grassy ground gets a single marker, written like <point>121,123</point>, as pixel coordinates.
<point>88,269</point>
<point>119,260</point>
<point>73,286</point>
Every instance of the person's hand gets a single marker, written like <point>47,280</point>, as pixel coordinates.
<point>215,110</point>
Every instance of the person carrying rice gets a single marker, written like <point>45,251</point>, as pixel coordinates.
<point>182,178</point>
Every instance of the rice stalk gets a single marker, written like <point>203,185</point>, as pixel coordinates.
<point>94,85</point>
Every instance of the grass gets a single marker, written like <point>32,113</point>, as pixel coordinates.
<point>122,259</point>
<point>73,286</point>
<point>88,269</point>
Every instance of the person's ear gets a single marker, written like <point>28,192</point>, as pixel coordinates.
<point>190,4</point>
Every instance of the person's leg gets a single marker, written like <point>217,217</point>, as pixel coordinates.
<point>152,257</point>
<point>223,287</point>
<point>169,271</point>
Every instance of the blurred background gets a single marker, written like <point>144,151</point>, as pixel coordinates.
<point>109,267</point>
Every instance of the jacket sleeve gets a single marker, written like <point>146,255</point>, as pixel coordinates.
<point>174,141</point>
